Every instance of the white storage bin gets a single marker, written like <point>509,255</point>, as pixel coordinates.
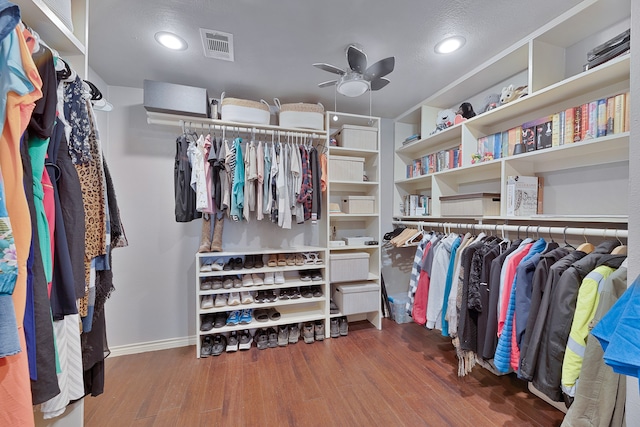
<point>343,168</point>
<point>471,205</point>
<point>301,115</point>
<point>358,204</point>
<point>353,298</point>
<point>349,266</point>
<point>245,111</point>
<point>360,137</point>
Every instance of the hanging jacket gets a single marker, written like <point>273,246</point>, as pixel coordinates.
<point>447,286</point>
<point>421,296</point>
<point>439,267</point>
<point>237,188</point>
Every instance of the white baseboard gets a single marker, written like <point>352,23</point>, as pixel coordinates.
<point>123,350</point>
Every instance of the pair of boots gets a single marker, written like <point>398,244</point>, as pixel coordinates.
<point>206,243</point>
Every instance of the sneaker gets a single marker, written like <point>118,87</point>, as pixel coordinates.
<point>271,296</point>
<point>248,261</point>
<point>316,290</point>
<point>206,346</point>
<point>244,340</point>
<point>334,328</point>
<point>259,262</point>
<point>305,276</point>
<point>294,333</point>
<point>237,263</point>
<point>273,337</point>
<point>269,278</point>
<point>221,300</point>
<point>219,344</point>
<point>237,283</point>
<point>316,275</point>
<point>206,322</point>
<point>234,318</point>
<point>283,335</point>
<point>206,302</point>
<point>246,297</point>
<point>319,330</point>
<point>246,316</point>
<point>220,320</point>
<point>216,284</point>
<point>306,291</point>
<point>234,298</point>
<point>205,284</point>
<point>308,332</point>
<point>217,265</point>
<point>227,283</point>
<point>247,280</point>
<point>206,265</point>
<point>284,294</point>
<point>344,326</point>
<point>232,342</point>
<point>279,277</point>
<point>333,308</point>
<point>262,339</point>
<point>261,296</point>
<point>294,293</point>
<point>257,280</point>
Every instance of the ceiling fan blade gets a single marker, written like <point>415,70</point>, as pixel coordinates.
<point>379,83</point>
<point>380,68</point>
<point>357,59</point>
<point>327,84</point>
<point>330,68</point>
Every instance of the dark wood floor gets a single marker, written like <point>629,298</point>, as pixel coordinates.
<point>403,375</point>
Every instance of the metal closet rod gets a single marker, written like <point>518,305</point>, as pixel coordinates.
<point>577,231</point>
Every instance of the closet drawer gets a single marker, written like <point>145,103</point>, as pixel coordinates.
<point>354,298</point>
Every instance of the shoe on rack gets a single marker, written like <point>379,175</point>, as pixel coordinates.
<point>344,326</point>
<point>206,346</point>
<point>206,322</point>
<point>319,330</point>
<point>316,275</point>
<point>206,265</point>
<point>294,333</point>
<point>216,284</point>
<point>283,335</point>
<point>247,280</point>
<point>306,291</point>
<point>305,275</point>
<point>227,283</point>
<point>220,320</point>
<point>219,344</point>
<point>234,298</point>
<point>217,265</point>
<point>206,302</point>
<point>271,296</point>
<point>316,290</point>
<point>284,294</point>
<point>237,282</point>
<point>273,260</point>
<point>246,316</point>
<point>232,342</point>
<point>308,332</point>
<point>221,300</point>
<point>237,263</point>
<point>261,314</point>
<point>259,263</point>
<point>257,280</point>
<point>269,278</point>
<point>334,328</point>
<point>279,278</point>
<point>228,266</point>
<point>294,293</point>
<point>246,297</point>
<point>272,338</point>
<point>244,340</point>
<point>249,261</point>
<point>333,308</point>
<point>262,339</point>
<point>261,296</point>
<point>233,318</point>
<point>206,284</point>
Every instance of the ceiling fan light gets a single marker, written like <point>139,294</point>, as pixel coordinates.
<point>352,86</point>
<point>450,44</point>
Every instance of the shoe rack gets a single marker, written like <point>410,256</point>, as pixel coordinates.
<point>291,279</point>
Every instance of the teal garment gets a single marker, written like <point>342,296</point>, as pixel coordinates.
<point>38,151</point>
<point>448,284</point>
<point>237,189</point>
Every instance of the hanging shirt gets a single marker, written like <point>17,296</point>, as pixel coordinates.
<point>260,181</point>
<point>237,191</point>
<point>266,190</point>
<point>284,208</point>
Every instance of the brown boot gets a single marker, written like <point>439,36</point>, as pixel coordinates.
<point>216,244</point>
<point>205,236</point>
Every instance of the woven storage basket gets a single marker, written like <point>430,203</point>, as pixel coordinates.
<point>244,110</point>
<point>301,115</point>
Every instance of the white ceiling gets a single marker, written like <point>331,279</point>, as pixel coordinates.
<point>276,43</point>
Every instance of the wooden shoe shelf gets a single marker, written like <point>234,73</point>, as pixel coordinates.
<point>291,311</point>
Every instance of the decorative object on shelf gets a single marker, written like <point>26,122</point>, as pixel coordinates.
<point>608,50</point>
<point>509,93</point>
<point>446,118</point>
<point>491,101</point>
<point>476,158</point>
<point>359,78</point>
<point>466,110</point>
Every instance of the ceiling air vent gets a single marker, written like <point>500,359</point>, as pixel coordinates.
<point>217,44</point>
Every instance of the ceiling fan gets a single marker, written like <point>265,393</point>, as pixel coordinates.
<point>358,78</point>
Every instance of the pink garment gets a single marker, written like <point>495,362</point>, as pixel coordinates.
<point>503,303</point>
<point>421,297</point>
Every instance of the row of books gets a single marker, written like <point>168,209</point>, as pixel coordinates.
<point>416,205</point>
<point>435,162</point>
<point>590,120</point>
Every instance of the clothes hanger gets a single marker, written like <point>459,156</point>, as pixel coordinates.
<point>566,245</point>
<point>586,247</point>
<point>619,250</point>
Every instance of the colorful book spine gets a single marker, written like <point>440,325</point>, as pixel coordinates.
<point>584,121</point>
<point>577,123</point>
<point>497,145</point>
<point>602,118</point>
<point>593,120</point>
<point>562,128</point>
<point>611,110</point>
<point>555,130</point>
<point>627,107</point>
<point>568,128</point>
<point>618,115</point>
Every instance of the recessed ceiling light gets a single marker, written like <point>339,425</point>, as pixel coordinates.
<point>170,40</point>
<point>450,44</point>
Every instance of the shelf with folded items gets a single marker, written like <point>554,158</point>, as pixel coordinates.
<point>261,270</point>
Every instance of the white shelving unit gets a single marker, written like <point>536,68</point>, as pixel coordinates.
<point>299,310</point>
<point>550,62</point>
<point>343,225</point>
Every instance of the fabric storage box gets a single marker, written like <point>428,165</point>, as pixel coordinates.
<point>300,115</point>
<point>472,204</point>
<point>343,168</point>
<point>349,266</point>
<point>353,298</point>
<point>161,97</point>
<point>358,204</point>
<point>360,137</point>
<point>244,111</point>
<point>351,241</point>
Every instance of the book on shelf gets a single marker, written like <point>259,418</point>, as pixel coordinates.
<point>618,113</point>
<point>602,118</point>
<point>497,145</point>
<point>544,133</point>
<point>611,111</point>
<point>524,195</point>
<point>529,137</point>
<point>577,123</point>
<point>555,130</point>
<point>569,115</point>
<point>593,120</point>
<point>627,107</point>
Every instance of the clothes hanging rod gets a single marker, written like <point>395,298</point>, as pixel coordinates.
<point>535,229</point>
<point>203,123</point>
